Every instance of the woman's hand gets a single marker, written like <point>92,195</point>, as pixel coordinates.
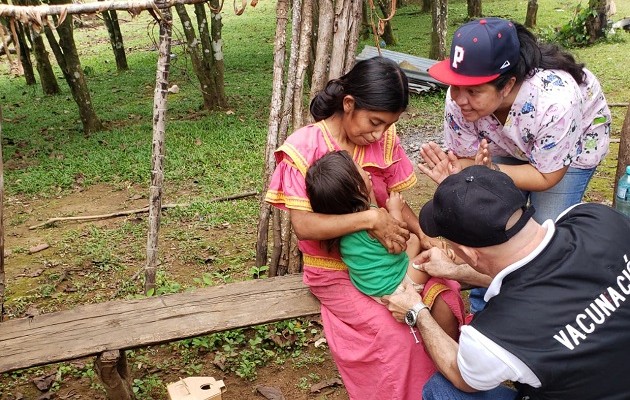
<point>438,164</point>
<point>392,234</point>
<point>483,156</point>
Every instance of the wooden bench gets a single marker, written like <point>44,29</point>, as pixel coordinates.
<point>104,329</point>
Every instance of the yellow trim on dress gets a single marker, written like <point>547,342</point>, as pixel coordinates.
<point>433,293</point>
<point>298,160</point>
<point>406,184</point>
<point>324,263</point>
<point>390,139</point>
<point>327,135</point>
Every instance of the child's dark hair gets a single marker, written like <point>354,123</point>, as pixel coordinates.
<point>335,186</point>
<point>539,55</point>
<point>376,84</point>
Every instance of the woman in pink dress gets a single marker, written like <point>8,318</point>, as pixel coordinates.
<point>377,357</point>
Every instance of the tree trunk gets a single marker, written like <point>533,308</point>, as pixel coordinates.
<point>303,61</point>
<point>110,18</point>
<point>324,44</point>
<point>341,36</point>
<point>439,16</point>
<point>212,51</point>
<point>474,9</point>
<point>47,76</point>
<point>25,54</point>
<point>623,157</point>
<point>532,13</point>
<point>158,148</point>
<point>199,67</point>
<point>68,60</point>
<point>217,64</point>
<point>280,44</point>
<point>388,32</point>
<point>426,6</point>
<point>596,22</point>
<point>353,34</point>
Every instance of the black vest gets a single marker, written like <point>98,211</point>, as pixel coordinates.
<point>566,314</point>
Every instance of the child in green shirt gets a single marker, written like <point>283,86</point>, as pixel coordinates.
<point>335,184</point>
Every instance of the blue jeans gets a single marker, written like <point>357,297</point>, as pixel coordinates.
<point>553,201</point>
<point>569,191</point>
<point>475,297</point>
<point>439,388</point>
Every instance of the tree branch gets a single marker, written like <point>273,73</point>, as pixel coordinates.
<point>136,211</point>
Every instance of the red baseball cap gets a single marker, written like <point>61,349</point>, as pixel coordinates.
<point>481,51</point>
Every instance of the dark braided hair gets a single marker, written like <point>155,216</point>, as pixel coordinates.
<point>376,84</point>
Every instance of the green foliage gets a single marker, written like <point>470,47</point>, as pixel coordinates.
<point>256,272</point>
<point>243,351</point>
<point>575,32</point>
<point>147,387</point>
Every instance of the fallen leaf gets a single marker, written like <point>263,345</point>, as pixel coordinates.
<point>270,392</point>
<point>44,383</point>
<point>324,384</point>
<point>39,247</point>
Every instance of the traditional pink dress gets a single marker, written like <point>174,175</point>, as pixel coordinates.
<point>377,356</point>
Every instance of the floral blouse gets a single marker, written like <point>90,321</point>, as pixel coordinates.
<point>554,122</point>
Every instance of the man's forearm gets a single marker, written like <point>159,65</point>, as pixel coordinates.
<point>468,277</point>
<point>442,349</point>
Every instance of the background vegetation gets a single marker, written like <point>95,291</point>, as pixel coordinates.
<point>49,163</point>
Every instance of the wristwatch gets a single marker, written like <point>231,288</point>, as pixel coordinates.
<point>412,315</point>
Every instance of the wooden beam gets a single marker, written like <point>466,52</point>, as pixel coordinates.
<point>118,325</point>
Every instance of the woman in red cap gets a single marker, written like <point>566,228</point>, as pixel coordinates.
<point>543,116</point>
<point>527,108</point>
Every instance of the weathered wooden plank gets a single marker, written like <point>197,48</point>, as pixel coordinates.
<point>91,329</point>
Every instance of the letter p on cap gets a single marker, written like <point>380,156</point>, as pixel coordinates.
<point>458,56</point>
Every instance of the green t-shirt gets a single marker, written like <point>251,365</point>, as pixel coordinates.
<point>372,269</point>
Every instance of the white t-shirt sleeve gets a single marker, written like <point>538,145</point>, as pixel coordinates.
<point>484,364</point>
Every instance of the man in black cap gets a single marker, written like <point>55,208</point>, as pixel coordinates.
<point>557,321</point>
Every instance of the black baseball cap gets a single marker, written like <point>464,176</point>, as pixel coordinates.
<point>481,51</point>
<point>472,208</point>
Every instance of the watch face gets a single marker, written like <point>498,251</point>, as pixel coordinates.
<point>410,318</point>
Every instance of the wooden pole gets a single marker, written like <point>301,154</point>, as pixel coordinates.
<point>2,275</point>
<point>158,148</point>
<point>280,47</point>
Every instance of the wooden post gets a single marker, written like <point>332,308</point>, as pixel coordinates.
<point>111,367</point>
<point>280,45</point>
<point>158,147</point>
<point>623,157</point>
<point>532,13</point>
<point>2,276</point>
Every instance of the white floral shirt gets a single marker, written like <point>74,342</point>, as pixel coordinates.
<point>554,122</point>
